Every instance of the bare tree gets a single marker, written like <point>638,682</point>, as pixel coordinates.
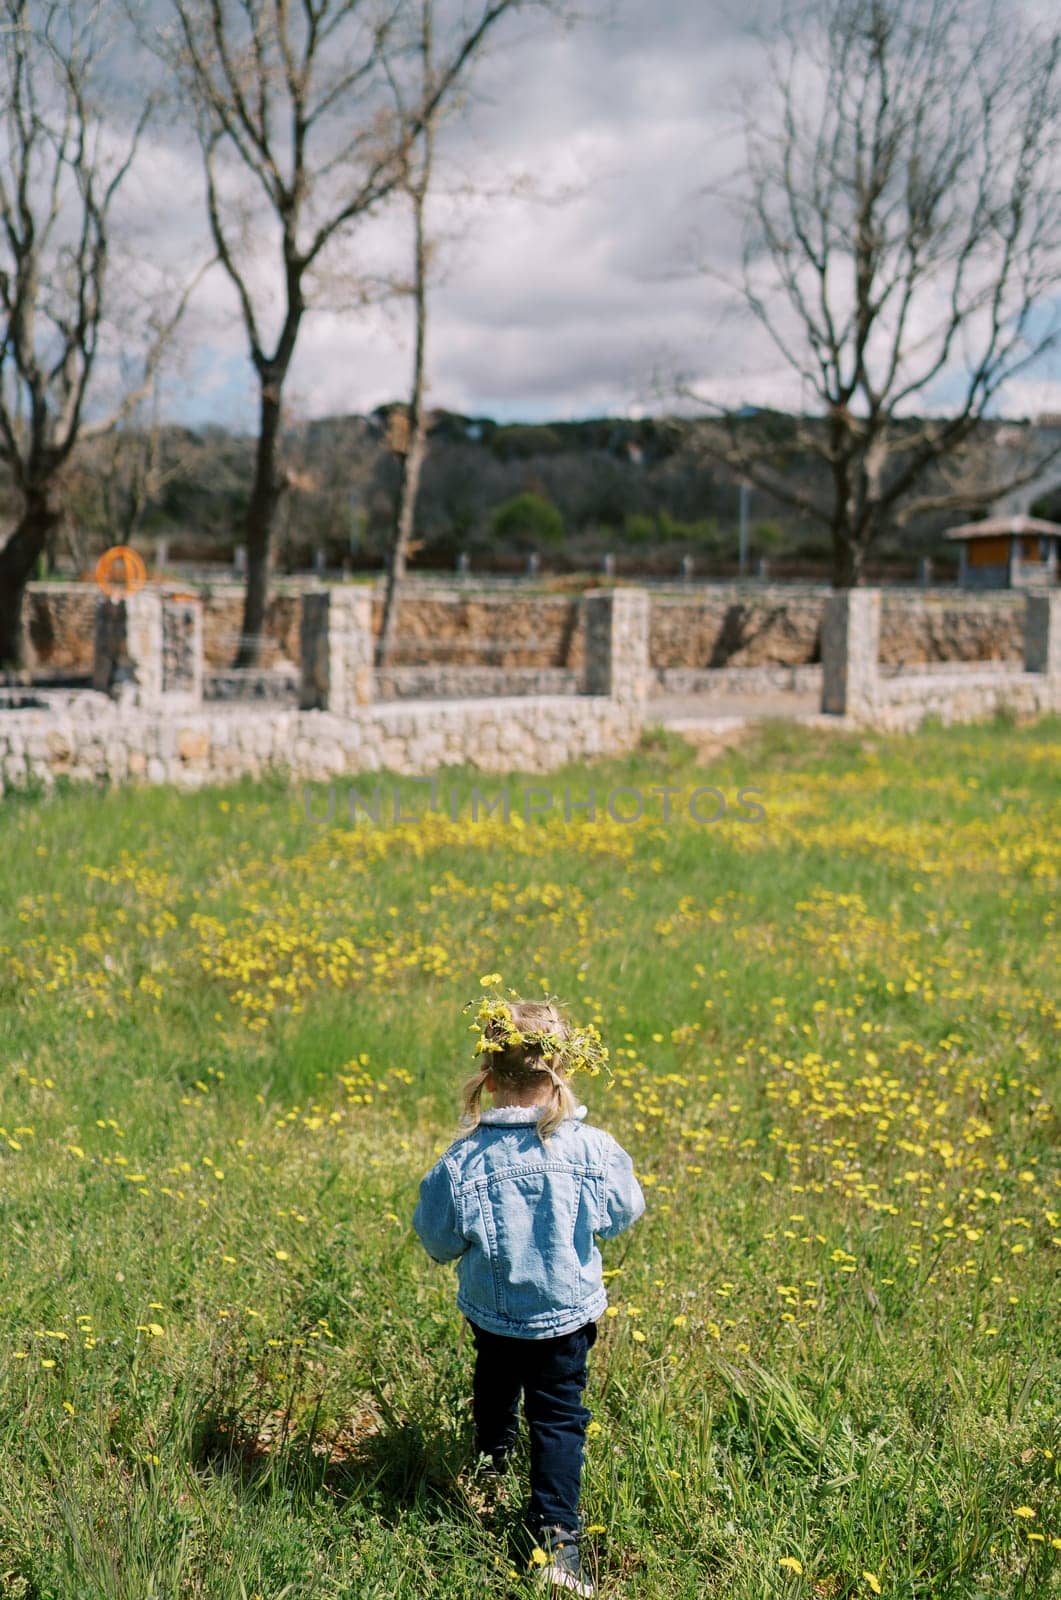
<point>902,246</point>
<point>133,471</point>
<point>407,431</point>
<point>299,97</point>
<point>59,176</point>
<point>409,428</point>
<point>114,480</point>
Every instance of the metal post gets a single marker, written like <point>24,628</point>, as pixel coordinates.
<point>355,516</point>
<point>745,494</point>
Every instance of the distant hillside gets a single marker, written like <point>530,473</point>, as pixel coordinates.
<point>569,491</point>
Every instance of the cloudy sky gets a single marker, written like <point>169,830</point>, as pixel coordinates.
<point>576,299</point>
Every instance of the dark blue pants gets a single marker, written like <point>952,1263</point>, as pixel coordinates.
<point>551,1375</point>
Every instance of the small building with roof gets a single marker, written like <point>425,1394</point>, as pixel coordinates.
<point>1007,553</point>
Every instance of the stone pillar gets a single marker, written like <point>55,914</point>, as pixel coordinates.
<point>149,650</point>
<point>182,652</point>
<point>617,658</point>
<point>850,650</point>
<point>338,648</point>
<point>128,654</point>
<point>1042,634</point>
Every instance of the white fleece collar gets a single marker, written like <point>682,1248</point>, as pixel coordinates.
<point>512,1116</point>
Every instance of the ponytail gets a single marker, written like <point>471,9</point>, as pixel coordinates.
<point>564,1105</point>
<point>471,1098</point>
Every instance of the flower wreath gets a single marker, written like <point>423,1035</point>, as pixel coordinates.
<point>582,1051</point>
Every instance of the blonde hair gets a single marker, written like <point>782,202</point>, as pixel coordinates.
<point>523,1066</point>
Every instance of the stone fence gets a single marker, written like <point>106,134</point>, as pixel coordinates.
<point>463,683</point>
<point>146,719</point>
<point>856,686</point>
<point>142,723</point>
<point>86,736</point>
<point>702,627</point>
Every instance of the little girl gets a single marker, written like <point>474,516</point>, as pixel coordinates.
<point>518,1198</point>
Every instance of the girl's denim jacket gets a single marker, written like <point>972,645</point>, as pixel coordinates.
<point>521,1216</point>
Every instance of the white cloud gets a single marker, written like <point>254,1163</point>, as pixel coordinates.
<point>541,309</point>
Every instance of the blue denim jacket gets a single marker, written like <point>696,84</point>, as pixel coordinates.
<point>521,1216</point>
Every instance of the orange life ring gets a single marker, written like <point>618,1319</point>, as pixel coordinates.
<point>134,573</point>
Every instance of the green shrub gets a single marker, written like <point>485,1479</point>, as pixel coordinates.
<point>702,531</point>
<point>768,535</point>
<point>639,528</point>
<point>706,532</point>
<point>528,516</point>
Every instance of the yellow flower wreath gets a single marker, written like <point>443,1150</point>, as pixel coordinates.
<point>582,1051</point>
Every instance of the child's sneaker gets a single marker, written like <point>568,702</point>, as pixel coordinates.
<point>564,1569</point>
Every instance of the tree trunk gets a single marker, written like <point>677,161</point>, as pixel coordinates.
<point>258,526</point>
<point>848,561</point>
<point>412,462</point>
<point>41,513</point>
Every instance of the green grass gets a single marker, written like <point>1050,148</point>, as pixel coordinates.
<point>232,1041</point>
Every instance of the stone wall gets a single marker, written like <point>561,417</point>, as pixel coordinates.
<point>277,685</point>
<point>771,625</point>
<point>704,626</point>
<point>857,688</point>
<point>223,618</point>
<point>149,647</point>
<point>905,702</point>
<point>59,628</point>
<point>736,680</point>
<point>950,626</point>
<point>462,683</point>
<point>59,622</point>
<point>86,736</point>
<point>499,630</point>
<point>338,647</point>
<point>731,627</point>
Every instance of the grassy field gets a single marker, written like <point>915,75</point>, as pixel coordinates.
<point>232,1040</point>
